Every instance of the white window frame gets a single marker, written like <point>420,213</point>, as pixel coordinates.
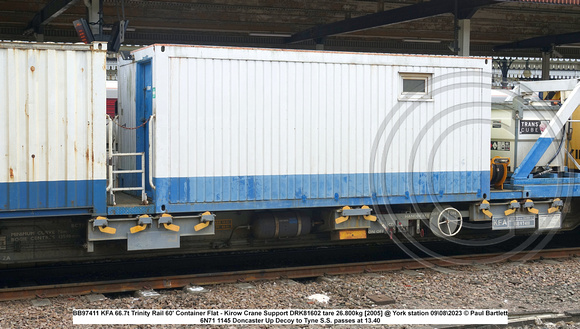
<point>415,96</point>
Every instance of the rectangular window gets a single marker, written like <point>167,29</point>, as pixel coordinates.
<point>415,86</point>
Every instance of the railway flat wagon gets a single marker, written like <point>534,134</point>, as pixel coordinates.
<point>52,141</point>
<point>254,129</point>
<point>243,149</point>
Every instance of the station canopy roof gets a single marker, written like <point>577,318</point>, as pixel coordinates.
<point>401,26</point>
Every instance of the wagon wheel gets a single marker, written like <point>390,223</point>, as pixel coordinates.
<point>447,222</point>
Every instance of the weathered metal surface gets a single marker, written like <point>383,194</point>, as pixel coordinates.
<point>240,128</point>
<point>52,119</point>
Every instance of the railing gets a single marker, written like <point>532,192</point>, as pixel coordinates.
<point>111,189</point>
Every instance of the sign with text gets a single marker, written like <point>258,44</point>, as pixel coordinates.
<point>530,127</point>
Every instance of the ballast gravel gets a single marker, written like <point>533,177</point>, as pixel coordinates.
<point>518,287</point>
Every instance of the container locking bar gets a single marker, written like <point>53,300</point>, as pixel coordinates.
<point>347,211</point>
<point>484,207</point>
<point>167,221</point>
<point>512,207</point>
<point>529,204</point>
<point>204,220</point>
<point>144,220</point>
<point>103,224</point>
<point>556,205</point>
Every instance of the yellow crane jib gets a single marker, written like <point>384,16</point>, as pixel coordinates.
<point>103,224</point>
<point>484,207</point>
<point>556,205</point>
<point>512,207</point>
<point>346,212</point>
<point>142,223</point>
<point>204,220</point>
<point>529,204</point>
<point>167,221</point>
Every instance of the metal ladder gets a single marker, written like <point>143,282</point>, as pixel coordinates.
<point>112,172</point>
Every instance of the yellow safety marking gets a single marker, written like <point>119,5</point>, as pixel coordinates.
<point>138,228</point>
<point>554,209</point>
<point>171,227</point>
<point>342,219</point>
<point>512,210</point>
<point>101,217</point>
<point>352,234</point>
<point>108,230</point>
<point>532,209</point>
<point>206,213</point>
<point>509,212</point>
<point>486,211</point>
<point>201,226</point>
<point>369,217</point>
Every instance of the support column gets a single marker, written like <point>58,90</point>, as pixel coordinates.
<point>546,65</point>
<point>94,14</point>
<point>504,66</point>
<point>380,5</point>
<point>39,36</point>
<point>320,43</point>
<point>464,36</point>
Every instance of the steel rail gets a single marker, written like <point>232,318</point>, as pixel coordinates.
<point>273,274</point>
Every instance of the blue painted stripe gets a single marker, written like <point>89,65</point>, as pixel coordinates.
<point>283,191</point>
<point>532,158</point>
<point>546,181</point>
<point>47,212</point>
<point>538,191</point>
<point>31,197</point>
<point>311,203</point>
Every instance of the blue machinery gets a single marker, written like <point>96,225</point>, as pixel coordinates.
<point>565,184</point>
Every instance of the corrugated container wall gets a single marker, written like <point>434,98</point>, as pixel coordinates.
<point>257,129</point>
<point>52,129</point>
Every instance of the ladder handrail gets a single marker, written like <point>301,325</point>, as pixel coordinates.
<point>110,186</point>
<point>151,152</point>
<point>109,159</point>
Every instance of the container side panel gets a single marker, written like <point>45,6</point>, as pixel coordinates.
<point>260,125</point>
<point>51,97</point>
<point>6,173</point>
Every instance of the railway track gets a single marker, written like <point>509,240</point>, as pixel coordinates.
<point>178,281</point>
